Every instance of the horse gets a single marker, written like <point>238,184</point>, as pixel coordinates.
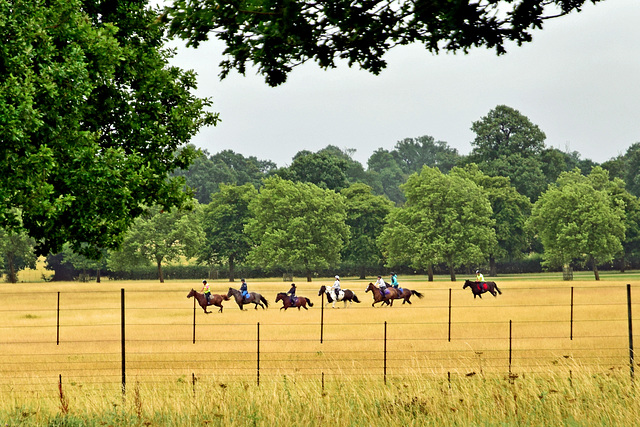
<point>479,288</point>
<point>406,294</point>
<point>214,299</point>
<point>254,298</point>
<point>378,296</point>
<point>286,301</point>
<point>344,295</point>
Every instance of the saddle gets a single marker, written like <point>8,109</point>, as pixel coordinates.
<point>482,286</point>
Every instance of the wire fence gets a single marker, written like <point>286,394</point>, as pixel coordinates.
<point>106,339</point>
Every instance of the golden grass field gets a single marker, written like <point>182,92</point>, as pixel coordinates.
<point>514,359</point>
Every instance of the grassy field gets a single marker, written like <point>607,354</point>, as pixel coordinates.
<point>526,357</point>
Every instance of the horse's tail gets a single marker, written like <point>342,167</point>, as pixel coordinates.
<point>418,294</point>
<point>264,301</point>
<point>225,298</point>
<point>309,302</point>
<point>355,298</point>
<point>497,288</point>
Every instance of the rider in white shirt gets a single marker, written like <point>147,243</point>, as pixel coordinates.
<point>380,283</point>
<point>336,287</point>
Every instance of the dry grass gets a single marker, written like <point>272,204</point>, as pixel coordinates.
<point>430,380</point>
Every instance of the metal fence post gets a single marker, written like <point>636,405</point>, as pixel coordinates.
<point>122,341</point>
<point>631,356</point>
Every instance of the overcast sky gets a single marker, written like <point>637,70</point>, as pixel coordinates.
<point>579,81</point>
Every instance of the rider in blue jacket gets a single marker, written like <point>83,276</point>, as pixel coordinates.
<point>243,289</point>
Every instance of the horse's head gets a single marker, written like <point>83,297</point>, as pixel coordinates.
<point>369,287</point>
<point>467,283</point>
<point>230,293</point>
<point>280,296</point>
<point>192,293</point>
<point>323,288</point>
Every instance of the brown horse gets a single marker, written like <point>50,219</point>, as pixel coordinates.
<point>479,288</point>
<point>214,299</point>
<point>344,296</point>
<point>254,298</point>
<point>378,296</point>
<point>286,301</point>
<point>405,294</point>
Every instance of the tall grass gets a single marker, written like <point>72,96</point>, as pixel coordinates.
<point>586,398</point>
<point>555,379</point>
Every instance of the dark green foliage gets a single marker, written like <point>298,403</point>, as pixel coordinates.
<point>91,118</point>
<point>277,35</point>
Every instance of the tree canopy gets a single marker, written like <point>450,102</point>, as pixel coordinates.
<point>91,119</point>
<point>278,35</point>
<point>297,225</point>
<point>446,219</point>
<point>579,220</point>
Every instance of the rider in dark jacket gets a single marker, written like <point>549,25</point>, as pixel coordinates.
<point>292,294</point>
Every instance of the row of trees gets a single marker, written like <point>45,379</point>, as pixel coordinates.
<point>420,205</point>
<point>464,218</point>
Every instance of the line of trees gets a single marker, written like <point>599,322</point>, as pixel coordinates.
<point>421,206</point>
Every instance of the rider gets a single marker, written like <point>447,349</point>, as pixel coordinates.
<point>243,289</point>
<point>336,287</point>
<point>206,290</point>
<point>395,284</point>
<point>479,278</point>
<point>381,284</point>
<point>292,294</point>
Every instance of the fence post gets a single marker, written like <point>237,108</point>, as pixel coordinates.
<point>58,321</point>
<point>321,317</point>
<point>449,314</point>
<point>631,356</point>
<point>194,320</point>
<point>385,352</point>
<point>572,313</point>
<point>510,347</point>
<point>258,356</point>
<point>124,378</point>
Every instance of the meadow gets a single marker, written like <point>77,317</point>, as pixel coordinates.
<point>530,356</point>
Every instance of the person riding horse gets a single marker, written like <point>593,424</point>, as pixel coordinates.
<point>292,294</point>
<point>206,290</point>
<point>336,288</point>
<point>243,289</point>
<point>479,277</point>
<point>381,284</point>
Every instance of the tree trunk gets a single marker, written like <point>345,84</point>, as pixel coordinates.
<point>13,278</point>
<point>430,272</point>
<point>160,276</point>
<point>98,275</point>
<point>308,275</point>
<point>362,273</point>
<point>595,267</point>
<point>452,273</point>
<point>232,268</point>
<point>623,263</point>
<point>493,270</point>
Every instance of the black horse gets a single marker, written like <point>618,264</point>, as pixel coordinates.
<point>479,288</point>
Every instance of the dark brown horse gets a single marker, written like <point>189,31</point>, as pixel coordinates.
<point>344,295</point>
<point>378,296</point>
<point>214,299</point>
<point>405,294</point>
<point>286,301</point>
<point>253,298</point>
<point>479,288</point>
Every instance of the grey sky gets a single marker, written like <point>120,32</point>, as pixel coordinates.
<point>578,81</point>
